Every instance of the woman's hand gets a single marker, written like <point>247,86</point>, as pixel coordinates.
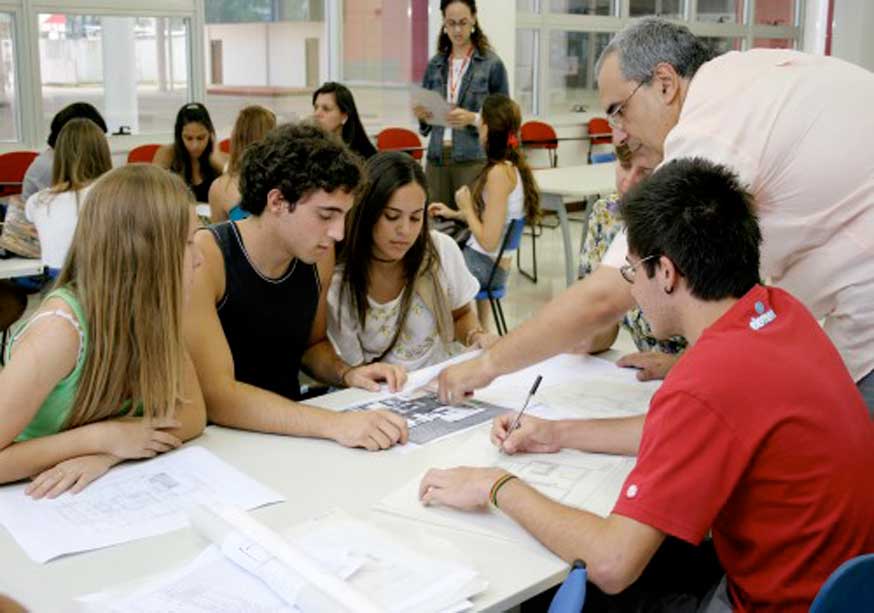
<point>73,474</point>
<point>422,114</point>
<point>133,438</point>
<point>438,209</point>
<point>459,118</point>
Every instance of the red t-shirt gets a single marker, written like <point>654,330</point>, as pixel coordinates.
<point>760,434</point>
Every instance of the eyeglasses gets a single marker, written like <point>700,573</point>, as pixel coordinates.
<point>614,117</point>
<point>461,25</point>
<point>629,271</point>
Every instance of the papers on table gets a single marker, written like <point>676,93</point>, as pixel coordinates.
<point>132,501</point>
<point>364,565</point>
<point>436,104</point>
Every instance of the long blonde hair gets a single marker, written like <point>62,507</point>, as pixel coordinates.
<point>253,123</point>
<point>125,267</point>
<point>81,155</point>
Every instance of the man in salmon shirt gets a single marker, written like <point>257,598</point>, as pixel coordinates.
<point>796,129</point>
<point>758,434</point>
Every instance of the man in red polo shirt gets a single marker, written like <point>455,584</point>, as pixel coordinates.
<point>758,434</point>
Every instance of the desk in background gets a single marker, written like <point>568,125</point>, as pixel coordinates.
<point>578,183</point>
<point>20,267</point>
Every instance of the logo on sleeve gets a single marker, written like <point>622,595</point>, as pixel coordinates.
<point>631,492</point>
<point>764,317</point>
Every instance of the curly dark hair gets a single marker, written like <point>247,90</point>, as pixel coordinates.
<point>297,159</point>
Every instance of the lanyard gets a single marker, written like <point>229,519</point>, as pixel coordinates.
<point>455,77</point>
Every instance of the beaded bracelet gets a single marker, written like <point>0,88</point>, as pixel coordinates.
<point>493,493</point>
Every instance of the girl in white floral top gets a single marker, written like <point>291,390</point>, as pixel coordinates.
<point>400,293</point>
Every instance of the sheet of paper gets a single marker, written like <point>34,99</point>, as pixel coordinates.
<point>438,106</point>
<point>395,577</point>
<point>132,501</point>
<point>584,480</point>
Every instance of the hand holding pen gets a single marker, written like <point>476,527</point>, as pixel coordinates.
<point>503,428</point>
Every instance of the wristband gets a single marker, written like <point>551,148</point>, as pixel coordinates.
<point>468,339</point>
<point>496,487</point>
<point>345,372</point>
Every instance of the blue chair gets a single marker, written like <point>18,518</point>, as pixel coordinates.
<point>512,239</point>
<point>571,596</point>
<point>849,588</point>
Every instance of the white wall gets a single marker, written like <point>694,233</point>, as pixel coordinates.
<point>852,24</point>
<point>261,54</point>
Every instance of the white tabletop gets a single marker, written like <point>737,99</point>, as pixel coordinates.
<point>20,267</point>
<point>315,476</point>
<point>578,181</point>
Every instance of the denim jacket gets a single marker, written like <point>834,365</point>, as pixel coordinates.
<point>485,75</point>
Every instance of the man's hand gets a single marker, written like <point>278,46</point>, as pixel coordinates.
<point>464,488</point>
<point>421,113</point>
<point>534,435</point>
<point>73,474</point>
<point>369,376</point>
<point>373,430</point>
<point>134,437</point>
<point>459,380</point>
<point>651,364</point>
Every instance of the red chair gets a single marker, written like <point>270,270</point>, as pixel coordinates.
<point>600,133</point>
<point>225,145</point>
<point>13,165</point>
<point>540,135</point>
<point>143,153</point>
<point>400,139</point>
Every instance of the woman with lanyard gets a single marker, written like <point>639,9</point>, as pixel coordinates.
<point>465,70</point>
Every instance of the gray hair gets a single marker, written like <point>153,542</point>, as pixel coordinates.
<point>649,41</point>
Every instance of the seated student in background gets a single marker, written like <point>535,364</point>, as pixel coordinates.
<point>334,109</point>
<point>81,156</point>
<point>253,123</point>
<point>654,357</point>
<point>39,173</point>
<point>100,373</point>
<point>193,154</point>
<point>758,433</point>
<point>259,311</point>
<point>505,190</point>
<point>401,293</point>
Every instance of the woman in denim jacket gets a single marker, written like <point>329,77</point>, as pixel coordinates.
<point>465,70</point>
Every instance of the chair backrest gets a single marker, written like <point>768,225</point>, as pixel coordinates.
<point>600,132</point>
<point>538,135</point>
<point>849,588</point>
<point>143,153</point>
<point>225,145</point>
<point>393,139</point>
<point>510,243</point>
<point>571,596</point>
<point>13,165</point>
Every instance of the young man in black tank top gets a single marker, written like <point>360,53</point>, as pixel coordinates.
<point>258,311</point>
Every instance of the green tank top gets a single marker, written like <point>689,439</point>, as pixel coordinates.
<point>55,409</point>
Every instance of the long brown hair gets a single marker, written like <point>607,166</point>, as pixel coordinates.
<point>504,119</point>
<point>477,37</point>
<point>81,155</point>
<point>253,123</point>
<point>125,267</point>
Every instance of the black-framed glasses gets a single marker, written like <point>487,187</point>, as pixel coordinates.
<point>614,117</point>
<point>629,271</point>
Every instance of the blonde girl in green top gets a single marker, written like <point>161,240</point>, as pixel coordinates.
<point>100,374</point>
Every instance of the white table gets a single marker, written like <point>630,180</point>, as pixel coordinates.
<point>20,267</point>
<point>577,182</point>
<point>314,476</point>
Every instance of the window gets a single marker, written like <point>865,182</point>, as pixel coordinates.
<point>669,9</point>
<point>133,69</point>
<point>775,13</point>
<point>572,57</point>
<point>527,6</point>
<point>8,95</point>
<point>774,43</point>
<point>721,11</point>
<point>263,52</point>
<point>526,70</point>
<point>583,7</point>
<point>722,45</point>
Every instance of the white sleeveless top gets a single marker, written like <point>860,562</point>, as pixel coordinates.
<point>515,209</point>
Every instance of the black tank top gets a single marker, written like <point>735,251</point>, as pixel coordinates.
<point>267,322</point>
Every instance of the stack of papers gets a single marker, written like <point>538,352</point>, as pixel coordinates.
<point>336,563</point>
<point>132,501</point>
